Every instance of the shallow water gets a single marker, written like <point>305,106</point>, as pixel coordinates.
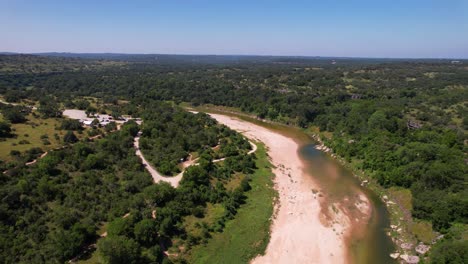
<point>368,243</point>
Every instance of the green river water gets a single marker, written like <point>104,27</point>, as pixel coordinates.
<point>369,243</point>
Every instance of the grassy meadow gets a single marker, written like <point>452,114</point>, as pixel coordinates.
<point>36,132</point>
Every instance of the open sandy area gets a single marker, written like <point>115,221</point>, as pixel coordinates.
<point>75,114</point>
<point>298,233</point>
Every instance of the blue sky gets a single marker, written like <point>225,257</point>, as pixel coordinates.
<point>436,29</point>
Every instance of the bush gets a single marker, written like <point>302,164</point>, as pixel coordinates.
<point>70,137</point>
<point>15,153</point>
<point>5,130</point>
<point>71,124</point>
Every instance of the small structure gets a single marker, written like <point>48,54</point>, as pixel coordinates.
<point>87,122</point>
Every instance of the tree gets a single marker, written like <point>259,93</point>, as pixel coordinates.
<point>154,254</point>
<point>13,96</point>
<point>49,108</point>
<point>377,120</point>
<point>65,244</point>
<point>119,227</point>
<point>71,124</point>
<point>14,115</point>
<point>118,250</point>
<point>5,130</point>
<point>70,137</point>
<point>131,127</point>
<point>450,252</point>
<point>82,104</point>
<point>90,111</point>
<point>159,194</point>
<point>146,232</point>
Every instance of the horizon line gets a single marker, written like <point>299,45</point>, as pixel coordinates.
<point>240,55</point>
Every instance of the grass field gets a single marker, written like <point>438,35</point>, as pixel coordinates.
<point>247,235</point>
<point>30,134</point>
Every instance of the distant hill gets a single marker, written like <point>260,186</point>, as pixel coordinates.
<point>77,61</point>
<point>229,59</point>
<point>14,63</point>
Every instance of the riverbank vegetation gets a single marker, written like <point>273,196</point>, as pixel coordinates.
<point>402,122</point>
<point>247,235</point>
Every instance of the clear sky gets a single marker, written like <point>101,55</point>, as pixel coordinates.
<point>379,28</point>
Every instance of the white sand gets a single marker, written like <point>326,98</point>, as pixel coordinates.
<point>297,233</point>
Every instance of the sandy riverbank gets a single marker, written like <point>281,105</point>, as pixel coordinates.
<point>299,233</point>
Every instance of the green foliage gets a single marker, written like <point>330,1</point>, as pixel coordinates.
<point>120,227</point>
<point>5,130</point>
<point>52,209</point>
<point>159,194</point>
<point>13,96</point>
<point>170,134</point>
<point>70,137</point>
<point>146,232</point>
<point>450,252</point>
<point>58,214</point>
<point>404,121</point>
<point>49,108</point>
<point>247,235</point>
<point>71,124</point>
<point>82,104</point>
<point>15,115</point>
<point>118,250</point>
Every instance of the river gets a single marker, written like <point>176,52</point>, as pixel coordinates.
<point>339,191</point>
<point>368,242</point>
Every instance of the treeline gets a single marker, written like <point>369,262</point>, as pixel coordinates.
<point>24,63</point>
<point>428,160</point>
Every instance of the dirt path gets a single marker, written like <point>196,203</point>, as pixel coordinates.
<point>40,157</point>
<point>157,177</point>
<point>298,234</point>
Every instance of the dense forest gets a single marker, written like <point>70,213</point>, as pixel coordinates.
<point>56,209</point>
<point>403,122</point>
<point>174,136</point>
